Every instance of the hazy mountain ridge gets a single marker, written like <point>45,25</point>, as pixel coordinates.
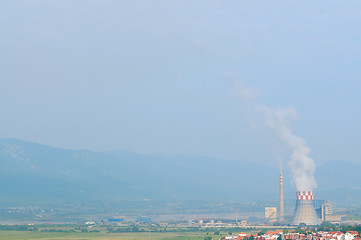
<point>35,172</point>
<point>339,180</point>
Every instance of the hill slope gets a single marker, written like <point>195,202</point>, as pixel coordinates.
<point>35,172</point>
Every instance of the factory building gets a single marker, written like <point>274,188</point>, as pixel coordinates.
<point>270,214</point>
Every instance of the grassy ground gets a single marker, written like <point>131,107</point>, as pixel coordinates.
<point>22,235</point>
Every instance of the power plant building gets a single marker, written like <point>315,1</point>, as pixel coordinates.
<point>271,214</point>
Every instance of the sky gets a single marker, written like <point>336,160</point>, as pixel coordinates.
<point>182,77</point>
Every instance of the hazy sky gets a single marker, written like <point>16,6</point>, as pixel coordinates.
<point>182,77</point>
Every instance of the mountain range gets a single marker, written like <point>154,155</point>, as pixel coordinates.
<point>34,172</point>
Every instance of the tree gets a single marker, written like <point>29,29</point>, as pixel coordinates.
<point>302,225</point>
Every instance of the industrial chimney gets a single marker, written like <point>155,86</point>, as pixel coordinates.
<point>281,198</point>
<point>305,209</point>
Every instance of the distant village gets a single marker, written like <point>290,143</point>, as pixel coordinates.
<point>292,235</point>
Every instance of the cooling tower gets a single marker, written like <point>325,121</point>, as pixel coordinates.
<point>305,209</point>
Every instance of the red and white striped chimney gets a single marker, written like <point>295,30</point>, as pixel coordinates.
<point>281,197</point>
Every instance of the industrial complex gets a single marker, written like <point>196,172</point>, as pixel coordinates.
<point>307,211</point>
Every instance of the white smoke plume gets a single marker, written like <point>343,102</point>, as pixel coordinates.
<point>302,166</point>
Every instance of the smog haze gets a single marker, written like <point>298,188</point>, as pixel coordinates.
<point>183,77</point>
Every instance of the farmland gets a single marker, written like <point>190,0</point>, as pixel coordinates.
<point>22,235</point>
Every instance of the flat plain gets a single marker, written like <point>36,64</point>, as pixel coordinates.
<point>25,235</point>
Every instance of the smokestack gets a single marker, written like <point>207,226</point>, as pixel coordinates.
<point>305,209</point>
<point>281,198</point>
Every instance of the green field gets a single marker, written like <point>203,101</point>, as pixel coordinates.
<point>17,235</point>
